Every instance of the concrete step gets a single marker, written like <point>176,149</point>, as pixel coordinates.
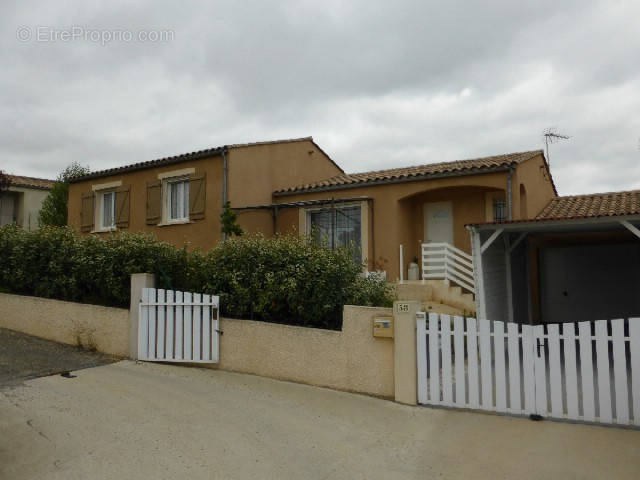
<point>469,297</point>
<point>435,307</point>
<point>416,290</point>
<point>455,290</point>
<point>437,293</point>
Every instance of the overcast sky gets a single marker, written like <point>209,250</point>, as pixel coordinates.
<point>377,85</point>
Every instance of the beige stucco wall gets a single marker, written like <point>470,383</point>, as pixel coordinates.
<point>538,187</point>
<point>201,233</point>
<point>105,328</point>
<point>351,360</point>
<point>29,205</point>
<point>396,215</point>
<point>254,172</point>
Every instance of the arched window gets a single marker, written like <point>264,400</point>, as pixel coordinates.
<point>523,202</point>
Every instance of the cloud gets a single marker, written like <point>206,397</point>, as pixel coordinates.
<point>377,85</point>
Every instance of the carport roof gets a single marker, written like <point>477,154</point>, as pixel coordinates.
<point>594,205</point>
<point>591,206</point>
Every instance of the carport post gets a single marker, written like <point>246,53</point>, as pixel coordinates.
<point>405,352</point>
<point>478,274</point>
<point>138,282</point>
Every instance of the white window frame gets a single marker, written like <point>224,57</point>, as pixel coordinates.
<point>99,191</point>
<point>167,183</point>
<point>305,220</point>
<point>99,225</point>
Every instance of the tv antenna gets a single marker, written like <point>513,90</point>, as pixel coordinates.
<point>551,136</point>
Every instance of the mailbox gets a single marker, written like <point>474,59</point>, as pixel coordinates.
<point>383,327</point>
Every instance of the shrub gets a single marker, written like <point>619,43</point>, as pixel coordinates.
<point>283,279</point>
<point>229,221</point>
<point>287,279</point>
<point>54,207</point>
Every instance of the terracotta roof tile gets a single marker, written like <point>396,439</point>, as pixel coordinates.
<point>399,174</point>
<point>592,205</point>
<point>189,156</point>
<point>31,182</point>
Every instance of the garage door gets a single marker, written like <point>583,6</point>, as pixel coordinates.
<point>589,282</point>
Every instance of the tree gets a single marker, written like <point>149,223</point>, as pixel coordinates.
<point>229,221</point>
<point>54,207</point>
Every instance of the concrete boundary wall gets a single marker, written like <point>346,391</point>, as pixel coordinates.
<point>91,326</point>
<point>352,359</point>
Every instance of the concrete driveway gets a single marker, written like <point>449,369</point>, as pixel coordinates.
<point>128,420</point>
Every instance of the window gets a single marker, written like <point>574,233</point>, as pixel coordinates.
<point>337,226</point>
<point>178,200</point>
<point>108,210</point>
<point>8,208</point>
<point>499,210</point>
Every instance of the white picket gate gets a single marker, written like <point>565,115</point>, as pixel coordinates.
<point>591,374</point>
<point>178,327</point>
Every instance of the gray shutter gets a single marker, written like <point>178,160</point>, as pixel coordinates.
<point>87,213</point>
<point>122,206</point>
<point>197,197</point>
<point>154,202</point>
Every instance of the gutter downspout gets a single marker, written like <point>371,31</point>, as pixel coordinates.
<point>509,200</point>
<point>372,236</point>
<point>225,196</point>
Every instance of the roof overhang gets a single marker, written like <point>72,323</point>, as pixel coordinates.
<point>28,186</point>
<point>388,181</point>
<point>151,164</point>
<point>197,155</point>
<point>556,225</point>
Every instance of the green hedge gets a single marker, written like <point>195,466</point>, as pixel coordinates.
<point>283,279</point>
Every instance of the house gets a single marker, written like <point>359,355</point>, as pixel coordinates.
<point>179,199</point>
<point>416,206</point>
<point>293,186</point>
<point>576,260</point>
<point>22,201</point>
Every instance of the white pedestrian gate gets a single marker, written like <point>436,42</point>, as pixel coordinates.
<point>589,371</point>
<point>178,327</point>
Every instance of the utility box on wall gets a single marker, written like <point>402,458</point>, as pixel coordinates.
<point>383,326</point>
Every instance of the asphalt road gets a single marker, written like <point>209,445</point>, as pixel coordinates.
<point>23,357</point>
<point>139,420</point>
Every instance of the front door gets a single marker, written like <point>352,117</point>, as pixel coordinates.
<point>438,222</point>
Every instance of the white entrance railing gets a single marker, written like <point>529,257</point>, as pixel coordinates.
<point>178,327</point>
<point>590,374</point>
<point>441,261</point>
